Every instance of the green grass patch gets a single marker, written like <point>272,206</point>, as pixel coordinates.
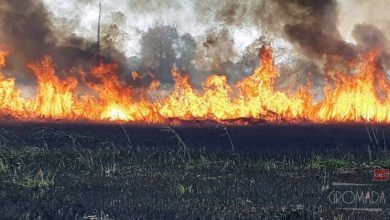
<point>27,154</point>
<point>328,163</point>
<point>3,167</point>
<point>182,189</point>
<point>383,163</point>
<point>36,182</point>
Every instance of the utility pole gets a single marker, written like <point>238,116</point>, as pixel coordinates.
<point>98,34</point>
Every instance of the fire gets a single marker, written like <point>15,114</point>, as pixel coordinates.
<point>361,96</point>
<point>357,97</point>
<point>115,114</point>
<point>55,98</point>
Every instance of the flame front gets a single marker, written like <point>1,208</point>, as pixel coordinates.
<point>362,96</point>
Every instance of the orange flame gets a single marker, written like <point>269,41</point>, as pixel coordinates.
<point>363,96</point>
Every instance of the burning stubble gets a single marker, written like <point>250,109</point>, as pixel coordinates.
<point>181,45</point>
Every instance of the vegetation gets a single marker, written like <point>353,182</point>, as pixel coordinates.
<point>121,182</point>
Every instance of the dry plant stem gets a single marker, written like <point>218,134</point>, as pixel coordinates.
<point>230,139</point>
<point>127,136</point>
<point>179,139</point>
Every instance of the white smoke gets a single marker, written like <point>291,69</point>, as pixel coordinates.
<point>81,18</point>
<point>353,12</point>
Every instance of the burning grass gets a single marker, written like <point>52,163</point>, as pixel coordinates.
<point>348,97</point>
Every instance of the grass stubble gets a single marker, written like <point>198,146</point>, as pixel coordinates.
<point>111,181</point>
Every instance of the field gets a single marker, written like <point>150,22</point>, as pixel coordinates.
<point>202,171</point>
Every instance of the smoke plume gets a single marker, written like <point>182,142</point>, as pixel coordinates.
<point>309,37</point>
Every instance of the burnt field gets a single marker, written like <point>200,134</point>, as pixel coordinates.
<point>262,137</point>
<point>203,170</point>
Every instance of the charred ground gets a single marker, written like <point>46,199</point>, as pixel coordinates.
<point>114,171</point>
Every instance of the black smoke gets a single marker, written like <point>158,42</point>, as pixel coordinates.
<point>27,30</point>
<point>311,27</point>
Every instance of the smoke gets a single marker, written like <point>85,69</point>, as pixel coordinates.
<point>25,27</point>
<point>314,28</point>
<point>199,37</point>
<point>370,37</point>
